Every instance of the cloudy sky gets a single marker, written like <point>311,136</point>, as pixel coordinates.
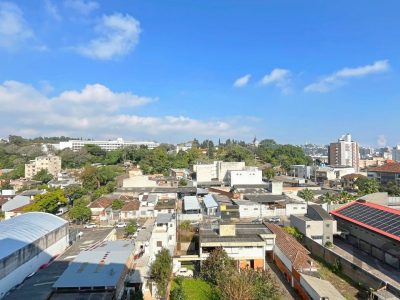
<point>174,70</point>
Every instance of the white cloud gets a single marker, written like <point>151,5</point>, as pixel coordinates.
<point>14,30</point>
<point>81,6</point>
<point>278,77</point>
<point>242,81</point>
<point>328,83</point>
<point>52,10</point>
<point>118,35</point>
<point>97,111</point>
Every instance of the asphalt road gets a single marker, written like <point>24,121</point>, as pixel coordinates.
<point>39,286</point>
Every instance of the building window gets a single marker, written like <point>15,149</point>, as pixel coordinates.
<point>327,225</point>
<point>159,243</point>
<point>308,226</point>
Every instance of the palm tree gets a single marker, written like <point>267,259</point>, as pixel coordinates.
<point>306,194</point>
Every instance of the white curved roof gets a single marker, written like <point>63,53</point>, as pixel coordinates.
<point>17,232</point>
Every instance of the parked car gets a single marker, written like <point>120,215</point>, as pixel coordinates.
<point>257,221</point>
<point>121,225</point>
<point>90,225</point>
<point>274,219</point>
<point>184,272</point>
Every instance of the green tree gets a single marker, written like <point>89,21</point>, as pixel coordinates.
<point>186,226</point>
<point>367,185</point>
<point>250,284</point>
<point>18,172</point>
<point>161,270</point>
<point>95,150</point>
<point>89,178</point>
<point>217,267</point>
<point>80,213</point>
<point>117,204</point>
<point>43,176</point>
<point>48,202</point>
<point>294,232</point>
<point>268,173</point>
<point>182,182</point>
<point>329,197</point>
<point>74,191</point>
<point>178,293</point>
<point>306,194</point>
<point>131,228</point>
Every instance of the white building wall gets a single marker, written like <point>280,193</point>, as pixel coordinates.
<point>224,167</point>
<point>250,211</point>
<point>296,209</point>
<point>245,177</point>
<point>282,257</point>
<point>18,275</point>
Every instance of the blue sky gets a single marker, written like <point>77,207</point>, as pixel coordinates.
<point>174,70</point>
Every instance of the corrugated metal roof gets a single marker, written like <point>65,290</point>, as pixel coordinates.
<point>100,266</point>
<point>164,218</point>
<point>209,201</point>
<point>191,203</point>
<point>24,229</point>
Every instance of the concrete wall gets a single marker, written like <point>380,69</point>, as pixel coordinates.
<point>16,267</point>
<point>349,268</point>
<point>245,177</point>
<point>372,243</point>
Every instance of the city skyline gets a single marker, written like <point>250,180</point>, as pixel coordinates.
<point>174,72</point>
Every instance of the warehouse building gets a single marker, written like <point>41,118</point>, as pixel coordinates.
<point>97,273</point>
<point>373,228</point>
<point>27,242</point>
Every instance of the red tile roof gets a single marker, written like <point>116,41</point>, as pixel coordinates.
<point>291,248</point>
<point>131,206</point>
<point>101,202</point>
<point>392,167</point>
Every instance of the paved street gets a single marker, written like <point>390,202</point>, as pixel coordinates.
<point>39,286</point>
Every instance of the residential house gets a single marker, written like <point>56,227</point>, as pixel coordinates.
<point>130,210</point>
<point>165,205</point>
<point>210,205</point>
<point>163,234</point>
<point>389,172</point>
<point>349,181</point>
<point>98,208</point>
<point>179,173</point>
<point>247,244</point>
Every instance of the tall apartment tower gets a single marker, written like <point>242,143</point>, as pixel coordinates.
<point>344,152</point>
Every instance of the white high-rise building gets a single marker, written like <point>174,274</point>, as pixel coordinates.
<point>345,152</point>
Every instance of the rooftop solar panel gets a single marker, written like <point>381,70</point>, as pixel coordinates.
<point>373,217</point>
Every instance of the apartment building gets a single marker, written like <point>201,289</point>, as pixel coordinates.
<point>51,163</point>
<point>345,152</point>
